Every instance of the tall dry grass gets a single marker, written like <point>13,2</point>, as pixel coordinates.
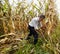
<point>17,22</point>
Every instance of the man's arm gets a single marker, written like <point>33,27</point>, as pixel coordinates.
<point>43,27</point>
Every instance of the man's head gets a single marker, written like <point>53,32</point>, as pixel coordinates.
<point>41,17</point>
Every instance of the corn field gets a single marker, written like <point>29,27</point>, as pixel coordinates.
<point>14,22</point>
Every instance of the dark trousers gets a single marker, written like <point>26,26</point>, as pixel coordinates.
<point>34,33</point>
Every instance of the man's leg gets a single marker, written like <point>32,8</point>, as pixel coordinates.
<point>35,38</point>
<point>29,35</point>
<point>35,34</point>
<point>30,32</point>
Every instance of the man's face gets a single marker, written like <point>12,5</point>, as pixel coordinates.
<point>40,19</point>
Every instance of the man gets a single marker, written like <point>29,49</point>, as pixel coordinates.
<point>33,27</point>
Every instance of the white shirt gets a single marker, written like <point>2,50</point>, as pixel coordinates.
<point>34,22</point>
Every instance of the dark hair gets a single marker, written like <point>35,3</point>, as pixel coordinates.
<point>42,16</point>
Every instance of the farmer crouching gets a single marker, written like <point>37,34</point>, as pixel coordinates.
<point>34,27</point>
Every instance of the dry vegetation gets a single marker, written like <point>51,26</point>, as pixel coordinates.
<point>14,26</point>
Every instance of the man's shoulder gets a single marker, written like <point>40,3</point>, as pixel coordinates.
<point>36,18</point>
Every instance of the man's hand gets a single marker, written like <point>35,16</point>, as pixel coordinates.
<point>43,27</point>
<point>38,30</point>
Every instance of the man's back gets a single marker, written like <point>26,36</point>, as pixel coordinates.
<point>34,22</point>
